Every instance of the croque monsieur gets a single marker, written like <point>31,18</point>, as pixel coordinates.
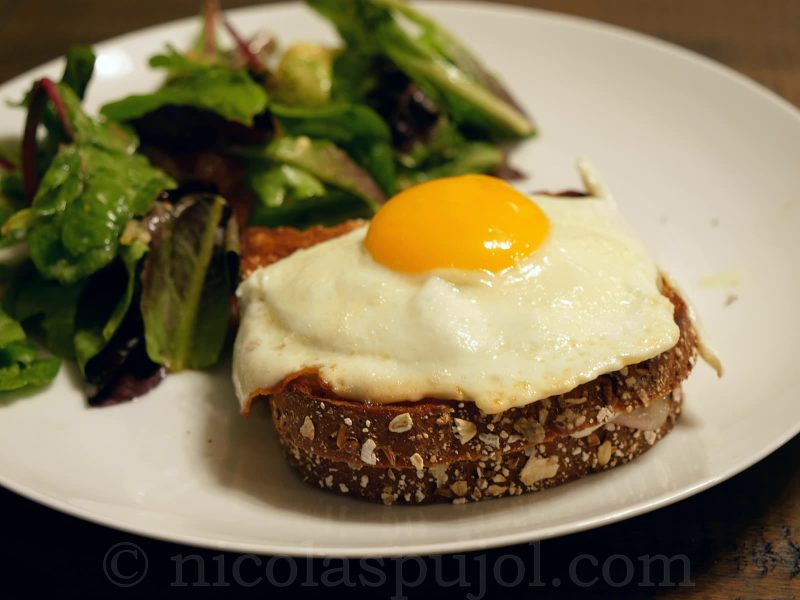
<point>469,342</point>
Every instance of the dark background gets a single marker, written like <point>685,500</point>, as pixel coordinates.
<point>740,539</point>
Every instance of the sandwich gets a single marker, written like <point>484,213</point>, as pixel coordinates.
<point>468,342</point>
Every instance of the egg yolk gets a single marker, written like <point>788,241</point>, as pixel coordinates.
<point>473,222</point>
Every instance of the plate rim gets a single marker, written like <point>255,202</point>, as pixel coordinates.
<point>431,548</point>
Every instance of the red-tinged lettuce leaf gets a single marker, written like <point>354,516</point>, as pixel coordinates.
<point>186,129</point>
<point>122,371</point>
<point>411,115</point>
<point>109,336</point>
<point>186,286</point>
<point>106,302</point>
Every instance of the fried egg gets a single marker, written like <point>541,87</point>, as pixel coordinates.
<point>461,288</point>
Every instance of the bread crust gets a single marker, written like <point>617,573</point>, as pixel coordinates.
<point>435,450</point>
<point>262,246</point>
<point>522,470</point>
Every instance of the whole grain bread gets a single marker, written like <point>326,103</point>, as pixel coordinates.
<point>438,450</point>
<point>499,472</point>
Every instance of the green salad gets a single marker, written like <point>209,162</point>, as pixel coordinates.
<point>121,230</point>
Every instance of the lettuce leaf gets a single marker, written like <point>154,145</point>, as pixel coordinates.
<point>282,184</point>
<point>19,366</point>
<point>331,208</point>
<point>325,161</point>
<point>122,370</point>
<point>302,181</point>
<point>229,92</point>
<point>10,330</point>
<point>355,128</point>
<point>46,308</point>
<point>83,203</point>
<point>92,186</point>
<point>186,286</point>
<point>102,311</point>
<point>469,157</point>
<point>443,67</point>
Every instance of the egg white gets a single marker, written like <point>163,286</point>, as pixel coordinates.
<point>586,302</point>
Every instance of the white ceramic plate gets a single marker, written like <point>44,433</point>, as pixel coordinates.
<point>702,161</point>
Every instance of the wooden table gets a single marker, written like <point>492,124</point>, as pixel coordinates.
<point>740,539</point>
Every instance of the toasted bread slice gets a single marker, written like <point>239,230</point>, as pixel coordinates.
<point>262,246</point>
<point>439,450</point>
<point>508,470</point>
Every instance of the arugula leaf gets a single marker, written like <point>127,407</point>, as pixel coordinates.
<point>440,145</point>
<point>186,287</point>
<point>445,154</point>
<point>98,319</point>
<point>301,182</point>
<point>355,68</point>
<point>351,19</point>
<point>19,366</point>
<point>341,123</point>
<point>79,68</point>
<point>355,128</point>
<point>326,162</point>
<point>355,74</point>
<point>466,100</point>
<point>283,183</point>
<point>441,41</point>
<point>472,157</point>
<point>331,208</point>
<point>228,92</point>
<point>291,196</point>
<point>444,69</point>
